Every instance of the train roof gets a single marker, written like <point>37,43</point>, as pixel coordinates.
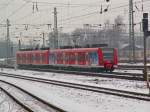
<point>35,51</point>
<point>65,50</point>
<point>74,50</point>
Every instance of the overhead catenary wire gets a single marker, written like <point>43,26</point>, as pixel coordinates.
<point>63,4</point>
<point>96,12</point>
<point>14,12</point>
<point>6,5</point>
<point>28,15</point>
<point>28,1</point>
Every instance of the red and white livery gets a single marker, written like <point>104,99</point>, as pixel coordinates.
<point>99,58</point>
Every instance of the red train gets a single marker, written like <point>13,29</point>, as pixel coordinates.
<point>87,59</point>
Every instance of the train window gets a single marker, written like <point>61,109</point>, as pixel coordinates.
<point>24,58</point>
<point>93,58</point>
<point>81,57</point>
<point>52,58</point>
<point>28,58</point>
<point>33,57</point>
<point>38,58</point>
<point>87,56</point>
<point>42,57</point>
<point>20,58</point>
<point>72,57</point>
<point>60,57</point>
<point>66,57</point>
<point>107,53</point>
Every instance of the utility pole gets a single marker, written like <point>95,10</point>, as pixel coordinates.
<point>19,45</point>
<point>7,41</point>
<point>50,36</point>
<point>131,31</point>
<point>19,41</point>
<point>55,29</point>
<point>43,39</point>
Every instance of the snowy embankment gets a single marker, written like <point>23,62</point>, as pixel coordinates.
<point>74,100</point>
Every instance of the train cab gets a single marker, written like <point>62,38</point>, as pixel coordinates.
<point>109,58</point>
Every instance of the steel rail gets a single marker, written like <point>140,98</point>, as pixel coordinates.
<point>119,75</point>
<point>134,67</point>
<point>53,107</point>
<point>116,92</point>
<point>16,100</point>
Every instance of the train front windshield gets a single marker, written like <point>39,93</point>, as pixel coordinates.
<point>108,53</point>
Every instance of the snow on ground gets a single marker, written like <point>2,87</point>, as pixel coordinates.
<point>133,64</point>
<point>137,86</point>
<point>24,98</point>
<point>129,71</point>
<point>73,100</point>
<point>8,105</point>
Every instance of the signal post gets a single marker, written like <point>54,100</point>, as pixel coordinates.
<point>146,34</point>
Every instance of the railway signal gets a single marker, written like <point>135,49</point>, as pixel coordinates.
<point>146,34</point>
<point>145,22</point>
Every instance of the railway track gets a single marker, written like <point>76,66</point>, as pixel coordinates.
<point>120,93</point>
<point>16,100</point>
<point>119,75</point>
<point>26,100</point>
<point>132,67</point>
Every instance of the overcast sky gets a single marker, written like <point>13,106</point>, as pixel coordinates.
<point>71,13</point>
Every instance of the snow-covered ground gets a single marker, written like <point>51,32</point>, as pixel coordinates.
<point>129,71</point>
<point>26,99</point>
<point>8,105</point>
<point>137,86</point>
<point>74,100</point>
<point>133,64</point>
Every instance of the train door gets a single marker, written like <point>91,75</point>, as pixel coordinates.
<point>52,58</point>
<point>24,58</point>
<point>72,58</point>
<point>33,58</point>
<point>60,58</point>
<point>37,58</point>
<point>93,58</point>
<point>29,55</point>
<point>43,58</point>
<point>66,58</point>
<point>82,58</point>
